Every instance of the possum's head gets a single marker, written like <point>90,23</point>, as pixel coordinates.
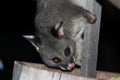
<point>56,49</point>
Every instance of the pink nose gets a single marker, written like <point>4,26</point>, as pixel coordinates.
<point>71,66</point>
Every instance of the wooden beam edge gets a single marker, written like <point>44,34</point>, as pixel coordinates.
<point>100,75</point>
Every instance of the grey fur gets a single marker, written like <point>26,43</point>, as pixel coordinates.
<point>48,14</point>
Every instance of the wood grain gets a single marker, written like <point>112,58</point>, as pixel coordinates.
<point>90,43</point>
<point>34,71</point>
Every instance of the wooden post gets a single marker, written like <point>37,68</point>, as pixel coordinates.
<point>90,43</point>
<point>116,3</point>
<point>32,71</point>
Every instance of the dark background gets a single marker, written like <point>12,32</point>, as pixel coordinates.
<point>17,19</point>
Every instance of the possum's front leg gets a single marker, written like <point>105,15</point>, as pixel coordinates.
<point>90,17</point>
<point>79,37</point>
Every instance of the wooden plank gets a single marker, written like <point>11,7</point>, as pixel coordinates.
<point>36,74</point>
<point>33,71</point>
<point>28,71</point>
<point>72,77</point>
<point>90,43</point>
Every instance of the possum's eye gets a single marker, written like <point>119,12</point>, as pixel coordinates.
<point>67,51</point>
<point>56,60</point>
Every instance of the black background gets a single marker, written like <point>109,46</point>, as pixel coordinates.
<point>17,19</point>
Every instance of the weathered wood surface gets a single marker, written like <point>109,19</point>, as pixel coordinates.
<point>116,3</point>
<point>33,71</point>
<point>90,43</point>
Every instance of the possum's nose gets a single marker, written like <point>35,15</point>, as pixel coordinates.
<point>70,66</point>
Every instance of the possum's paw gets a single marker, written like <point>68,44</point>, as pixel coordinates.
<point>91,18</point>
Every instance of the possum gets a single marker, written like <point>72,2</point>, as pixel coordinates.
<point>55,23</point>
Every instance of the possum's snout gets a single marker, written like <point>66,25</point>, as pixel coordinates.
<point>69,67</point>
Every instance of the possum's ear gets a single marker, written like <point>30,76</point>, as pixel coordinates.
<point>35,41</point>
<point>58,31</point>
